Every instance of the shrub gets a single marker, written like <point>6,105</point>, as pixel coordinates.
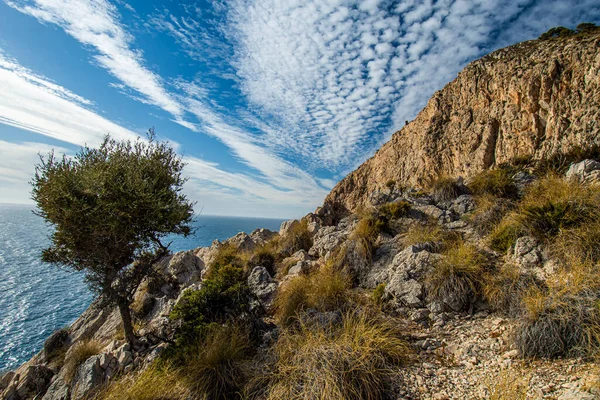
<point>56,345</point>
<point>495,182</point>
<point>298,238</point>
<point>78,354</point>
<point>227,254</point>
<point>431,232</point>
<point>377,295</point>
<point>348,361</point>
<point>558,32</point>
<point>457,276</point>
<point>324,290</point>
<point>217,369</point>
<point>445,188</point>
<point>395,210</point>
<point>586,27</point>
<point>223,296</point>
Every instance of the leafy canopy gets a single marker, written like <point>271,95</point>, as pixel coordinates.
<point>111,206</point>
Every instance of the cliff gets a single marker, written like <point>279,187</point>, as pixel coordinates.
<point>534,99</point>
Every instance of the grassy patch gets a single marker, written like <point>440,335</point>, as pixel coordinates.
<point>457,276</point>
<point>489,212</point>
<point>495,182</point>
<point>348,361</point>
<point>504,236</point>
<point>505,287</point>
<point>508,385</point>
<point>377,295</point>
<point>430,232</point>
<point>324,290</point>
<point>395,210</point>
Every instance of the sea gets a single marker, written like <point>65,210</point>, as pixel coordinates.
<point>37,298</point>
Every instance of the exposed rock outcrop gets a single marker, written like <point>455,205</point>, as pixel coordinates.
<point>536,98</point>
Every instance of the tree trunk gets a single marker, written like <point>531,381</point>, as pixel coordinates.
<point>126,318</point>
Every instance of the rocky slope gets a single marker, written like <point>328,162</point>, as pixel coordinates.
<point>535,99</point>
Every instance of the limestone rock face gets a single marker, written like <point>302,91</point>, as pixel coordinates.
<point>585,171</point>
<point>536,98</point>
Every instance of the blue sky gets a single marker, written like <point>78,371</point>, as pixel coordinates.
<point>270,102</point>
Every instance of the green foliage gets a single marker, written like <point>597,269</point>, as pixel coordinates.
<point>377,295</point>
<point>586,27</point>
<point>109,207</point>
<point>496,182</point>
<point>227,254</point>
<point>264,256</point>
<point>223,296</point>
<point>548,219</point>
<point>504,236</point>
<point>558,32</point>
<point>395,210</point>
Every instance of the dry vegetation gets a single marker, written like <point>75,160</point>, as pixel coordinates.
<point>78,354</point>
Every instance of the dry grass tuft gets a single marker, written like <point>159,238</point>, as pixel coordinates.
<point>324,290</point>
<point>154,383</point>
<point>351,360</point>
<point>78,354</point>
<point>457,276</point>
<point>432,233</point>
<point>504,289</point>
<point>395,210</point>
<point>367,231</point>
<point>504,236</point>
<point>495,182</point>
<point>489,212</point>
<point>298,238</point>
<point>445,188</point>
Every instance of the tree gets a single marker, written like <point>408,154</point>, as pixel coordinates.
<point>111,207</point>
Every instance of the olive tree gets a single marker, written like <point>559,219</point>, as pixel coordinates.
<point>111,208</point>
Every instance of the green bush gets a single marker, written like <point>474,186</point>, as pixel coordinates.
<point>558,32</point>
<point>223,296</point>
<point>227,254</point>
<point>263,256</point>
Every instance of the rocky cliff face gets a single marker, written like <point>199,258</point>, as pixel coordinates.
<point>536,99</point>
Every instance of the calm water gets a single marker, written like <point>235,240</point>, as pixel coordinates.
<point>37,298</point>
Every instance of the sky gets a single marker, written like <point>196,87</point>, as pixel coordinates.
<point>269,102</point>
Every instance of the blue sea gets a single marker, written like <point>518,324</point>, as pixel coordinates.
<point>37,298</point>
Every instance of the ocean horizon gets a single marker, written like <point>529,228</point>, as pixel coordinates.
<point>39,298</point>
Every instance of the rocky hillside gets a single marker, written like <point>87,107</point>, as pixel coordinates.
<point>484,289</point>
<point>533,99</point>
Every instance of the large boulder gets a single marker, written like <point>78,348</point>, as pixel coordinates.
<point>88,378</point>
<point>185,267</point>
<point>287,226</point>
<point>326,240</point>
<point>242,241</point>
<point>527,253</point>
<point>262,236</point>
<point>584,171</point>
<point>34,381</point>
<point>58,390</point>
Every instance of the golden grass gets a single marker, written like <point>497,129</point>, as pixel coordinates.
<point>154,383</point>
<point>298,238</point>
<point>367,231</point>
<point>444,188</point>
<point>352,360</point>
<point>431,232</point>
<point>395,210</point>
<point>496,182</point>
<point>504,288</point>
<point>489,212</point>
<point>324,290</point>
<point>78,354</point>
<point>458,275</point>
<point>508,385</point>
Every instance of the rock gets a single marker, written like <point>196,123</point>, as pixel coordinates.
<point>89,376</point>
<point>262,236</point>
<point>301,255</point>
<point>185,267</point>
<point>58,390</point>
<point>301,267</point>
<point>326,240</point>
<point>124,358</point>
<point>462,205</point>
<point>287,226</point>
<point>313,223</point>
<point>6,379</point>
<point>576,393</point>
<point>242,241</point>
<point>34,381</point>
<point>526,252</point>
<point>262,286</point>
<point>584,171</point>
<point>522,180</point>
<point>55,343</point>
<point>541,98</point>
<point>155,353</point>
